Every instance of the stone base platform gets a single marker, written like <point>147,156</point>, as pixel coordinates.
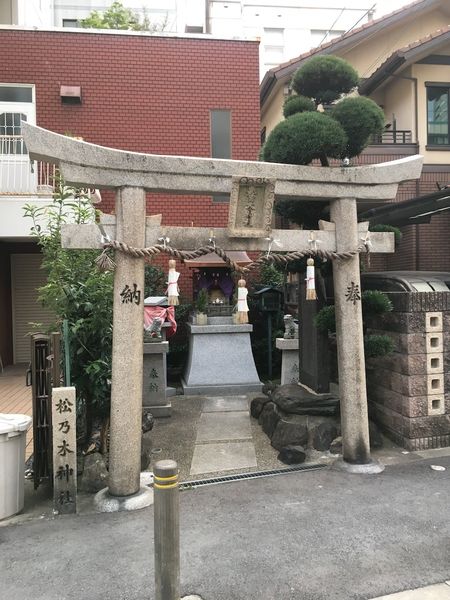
<point>220,359</point>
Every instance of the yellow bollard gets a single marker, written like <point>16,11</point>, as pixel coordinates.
<point>167,530</point>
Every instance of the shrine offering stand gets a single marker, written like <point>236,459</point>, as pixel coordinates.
<point>220,359</point>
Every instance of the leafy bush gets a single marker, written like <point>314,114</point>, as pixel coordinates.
<point>77,291</point>
<point>360,118</point>
<point>154,282</point>
<point>201,304</point>
<point>270,275</point>
<point>377,345</point>
<point>297,104</point>
<point>375,303</point>
<point>325,78</point>
<point>325,320</point>
<point>303,137</point>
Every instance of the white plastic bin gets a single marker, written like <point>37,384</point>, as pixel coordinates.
<point>13,433</point>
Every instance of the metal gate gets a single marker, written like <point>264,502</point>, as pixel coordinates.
<point>44,369</point>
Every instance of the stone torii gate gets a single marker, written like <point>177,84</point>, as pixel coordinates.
<point>131,175</point>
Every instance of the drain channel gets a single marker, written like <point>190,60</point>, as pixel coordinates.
<point>190,485</point>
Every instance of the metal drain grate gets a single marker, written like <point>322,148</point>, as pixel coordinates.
<point>189,485</point>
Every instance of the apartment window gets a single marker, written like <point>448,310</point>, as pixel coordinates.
<point>221,141</point>
<point>12,93</point>
<point>70,23</point>
<point>437,114</point>
<point>11,141</point>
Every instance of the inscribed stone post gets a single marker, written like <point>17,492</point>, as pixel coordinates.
<point>350,340</point>
<point>64,450</point>
<point>128,332</point>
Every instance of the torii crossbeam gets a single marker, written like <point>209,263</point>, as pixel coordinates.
<point>132,175</point>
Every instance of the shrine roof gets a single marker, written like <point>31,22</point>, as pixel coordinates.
<point>213,260</point>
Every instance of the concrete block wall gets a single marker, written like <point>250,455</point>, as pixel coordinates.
<point>409,391</point>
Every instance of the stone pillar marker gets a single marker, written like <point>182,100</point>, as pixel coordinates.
<point>64,437</point>
<point>350,340</point>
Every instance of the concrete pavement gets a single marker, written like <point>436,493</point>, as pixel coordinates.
<point>317,535</point>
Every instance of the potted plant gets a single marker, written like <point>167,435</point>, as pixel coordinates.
<point>201,306</point>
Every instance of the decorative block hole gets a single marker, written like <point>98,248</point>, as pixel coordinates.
<point>434,343</point>
<point>436,405</point>
<point>433,321</point>
<point>435,362</point>
<point>435,384</point>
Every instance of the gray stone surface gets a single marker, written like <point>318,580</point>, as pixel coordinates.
<point>268,419</point>
<point>210,458</point>
<point>349,330</point>
<point>107,503</point>
<point>223,426</point>
<point>289,359</point>
<point>292,455</point>
<point>257,405</point>
<point>323,435</point>
<point>371,468</point>
<point>290,431</point>
<point>220,358</point>
<point>95,473</point>
<point>127,358</point>
<point>225,404</point>
<point>154,387</point>
<point>297,399</point>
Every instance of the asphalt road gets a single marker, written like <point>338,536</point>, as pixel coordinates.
<point>307,536</point>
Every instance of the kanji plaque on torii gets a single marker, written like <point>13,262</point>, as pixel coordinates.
<point>131,175</point>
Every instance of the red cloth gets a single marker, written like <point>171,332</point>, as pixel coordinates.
<point>163,313</point>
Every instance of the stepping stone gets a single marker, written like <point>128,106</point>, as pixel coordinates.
<point>214,458</point>
<point>220,426</point>
<point>225,404</point>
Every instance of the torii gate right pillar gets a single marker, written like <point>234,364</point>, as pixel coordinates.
<point>350,341</point>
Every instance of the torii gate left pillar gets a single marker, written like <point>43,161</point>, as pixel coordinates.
<point>131,175</point>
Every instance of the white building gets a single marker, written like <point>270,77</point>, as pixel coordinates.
<point>33,13</point>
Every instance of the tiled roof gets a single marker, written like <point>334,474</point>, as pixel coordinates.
<point>327,48</point>
<point>400,56</point>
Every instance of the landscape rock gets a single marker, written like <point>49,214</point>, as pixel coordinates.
<point>146,450</point>
<point>294,399</point>
<point>323,435</point>
<point>290,431</point>
<point>336,446</point>
<point>147,421</point>
<point>95,473</point>
<point>268,388</point>
<point>269,418</point>
<point>375,437</point>
<point>292,455</point>
<point>257,404</point>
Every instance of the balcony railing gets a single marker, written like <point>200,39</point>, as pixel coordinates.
<point>392,136</point>
<point>19,175</point>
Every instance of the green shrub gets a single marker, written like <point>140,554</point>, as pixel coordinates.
<point>360,118</point>
<point>297,104</point>
<point>375,302</point>
<point>201,303</point>
<point>325,78</point>
<point>303,137</point>
<point>377,345</point>
<point>325,320</point>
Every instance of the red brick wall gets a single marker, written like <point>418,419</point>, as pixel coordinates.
<point>146,94</point>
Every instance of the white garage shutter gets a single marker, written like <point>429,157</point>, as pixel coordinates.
<point>26,277</point>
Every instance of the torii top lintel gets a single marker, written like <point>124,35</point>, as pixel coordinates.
<point>90,165</point>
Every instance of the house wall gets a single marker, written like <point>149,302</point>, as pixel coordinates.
<point>399,102</point>
<point>423,73</point>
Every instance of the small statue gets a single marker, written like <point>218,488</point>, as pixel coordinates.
<point>173,290</point>
<point>153,332</point>
<point>242,305</point>
<point>290,328</point>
